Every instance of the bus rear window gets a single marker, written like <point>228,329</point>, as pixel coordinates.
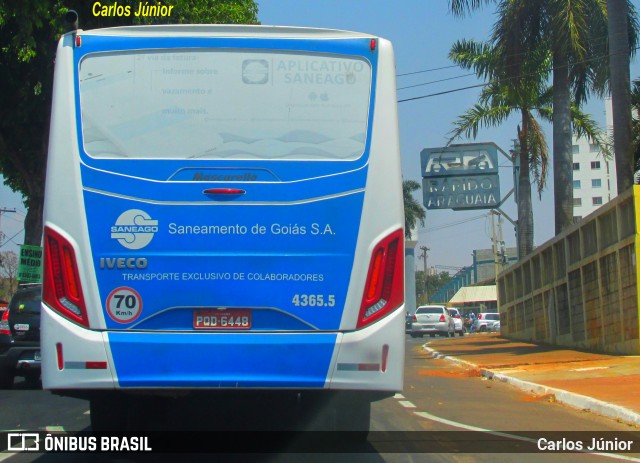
<point>224,104</point>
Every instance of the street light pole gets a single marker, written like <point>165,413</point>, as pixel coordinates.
<point>426,276</point>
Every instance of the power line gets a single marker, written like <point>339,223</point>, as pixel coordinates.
<point>602,39</point>
<point>497,81</point>
<point>443,93</point>
<point>436,81</point>
<point>452,224</point>
<point>10,239</point>
<point>426,70</point>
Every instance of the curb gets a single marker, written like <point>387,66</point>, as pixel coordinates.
<point>572,399</point>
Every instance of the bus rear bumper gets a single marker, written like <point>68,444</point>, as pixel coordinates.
<point>368,359</point>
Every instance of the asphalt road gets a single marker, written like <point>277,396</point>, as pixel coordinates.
<point>440,403</point>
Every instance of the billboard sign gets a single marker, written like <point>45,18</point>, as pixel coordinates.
<point>30,264</point>
<point>461,177</point>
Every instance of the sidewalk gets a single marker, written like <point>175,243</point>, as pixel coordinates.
<point>605,384</point>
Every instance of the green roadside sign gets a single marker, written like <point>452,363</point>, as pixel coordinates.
<point>30,264</point>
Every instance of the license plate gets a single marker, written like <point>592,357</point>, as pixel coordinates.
<point>37,356</point>
<point>21,327</point>
<point>222,319</point>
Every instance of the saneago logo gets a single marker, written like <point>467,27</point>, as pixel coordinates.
<point>134,229</point>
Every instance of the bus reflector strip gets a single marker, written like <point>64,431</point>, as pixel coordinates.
<point>358,367</point>
<point>85,365</point>
<point>60,356</point>
<point>385,356</point>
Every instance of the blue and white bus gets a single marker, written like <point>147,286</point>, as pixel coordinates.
<point>223,212</point>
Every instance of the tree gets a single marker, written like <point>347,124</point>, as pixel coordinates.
<point>635,134</point>
<point>29,31</point>
<point>523,94</point>
<point>433,284</point>
<point>574,33</point>
<point>413,210</point>
<point>8,273</point>
<point>620,91</point>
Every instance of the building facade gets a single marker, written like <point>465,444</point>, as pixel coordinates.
<point>594,176</point>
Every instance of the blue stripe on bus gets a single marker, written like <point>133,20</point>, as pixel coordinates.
<point>222,360</point>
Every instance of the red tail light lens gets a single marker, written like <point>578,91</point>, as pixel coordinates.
<point>480,316</point>
<point>384,290</point>
<point>61,281</point>
<point>4,323</point>
<point>442,319</point>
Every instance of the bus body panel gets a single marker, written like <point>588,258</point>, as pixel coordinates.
<point>200,367</point>
<point>293,251</point>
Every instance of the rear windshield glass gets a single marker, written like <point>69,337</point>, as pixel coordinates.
<point>492,317</point>
<point>437,310</point>
<point>228,104</point>
<point>26,301</point>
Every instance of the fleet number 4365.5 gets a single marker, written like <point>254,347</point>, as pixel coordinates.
<point>314,300</point>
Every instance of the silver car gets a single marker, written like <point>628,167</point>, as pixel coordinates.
<point>432,320</point>
<point>457,320</point>
<point>485,321</point>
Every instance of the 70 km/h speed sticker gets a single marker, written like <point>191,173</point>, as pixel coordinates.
<point>124,304</point>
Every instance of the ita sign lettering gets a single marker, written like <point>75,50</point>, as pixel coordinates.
<point>30,265</point>
<point>460,177</point>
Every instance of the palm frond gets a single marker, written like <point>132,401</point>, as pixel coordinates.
<point>413,210</point>
<point>569,25</point>
<point>462,7</point>
<point>478,56</point>
<point>477,117</point>
<point>538,153</point>
<point>585,126</point>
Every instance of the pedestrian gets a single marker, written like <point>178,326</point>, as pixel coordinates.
<point>472,317</point>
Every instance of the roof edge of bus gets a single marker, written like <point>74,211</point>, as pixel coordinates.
<point>223,30</point>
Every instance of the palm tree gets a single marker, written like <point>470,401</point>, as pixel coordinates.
<point>413,210</point>
<point>635,133</point>
<point>619,22</point>
<point>526,94</point>
<point>574,33</point>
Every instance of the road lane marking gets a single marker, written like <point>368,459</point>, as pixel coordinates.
<point>406,404</point>
<point>468,427</point>
<point>398,396</point>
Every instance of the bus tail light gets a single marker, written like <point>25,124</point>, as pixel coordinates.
<point>61,281</point>
<point>4,323</point>
<point>384,289</point>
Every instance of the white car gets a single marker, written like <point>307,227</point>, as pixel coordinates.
<point>432,320</point>
<point>457,320</point>
<point>485,321</point>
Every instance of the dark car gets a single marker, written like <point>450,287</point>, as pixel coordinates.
<point>20,337</point>
<point>408,322</point>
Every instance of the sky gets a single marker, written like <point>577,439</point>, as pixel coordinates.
<point>422,32</point>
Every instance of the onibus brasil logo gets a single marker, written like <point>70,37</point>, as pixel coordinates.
<point>134,229</point>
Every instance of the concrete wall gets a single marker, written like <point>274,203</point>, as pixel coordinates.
<point>580,289</point>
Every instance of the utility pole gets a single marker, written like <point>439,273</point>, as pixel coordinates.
<point>426,276</point>
<point>494,241</point>
<point>503,247</point>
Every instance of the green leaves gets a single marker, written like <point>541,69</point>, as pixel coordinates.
<point>413,210</point>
